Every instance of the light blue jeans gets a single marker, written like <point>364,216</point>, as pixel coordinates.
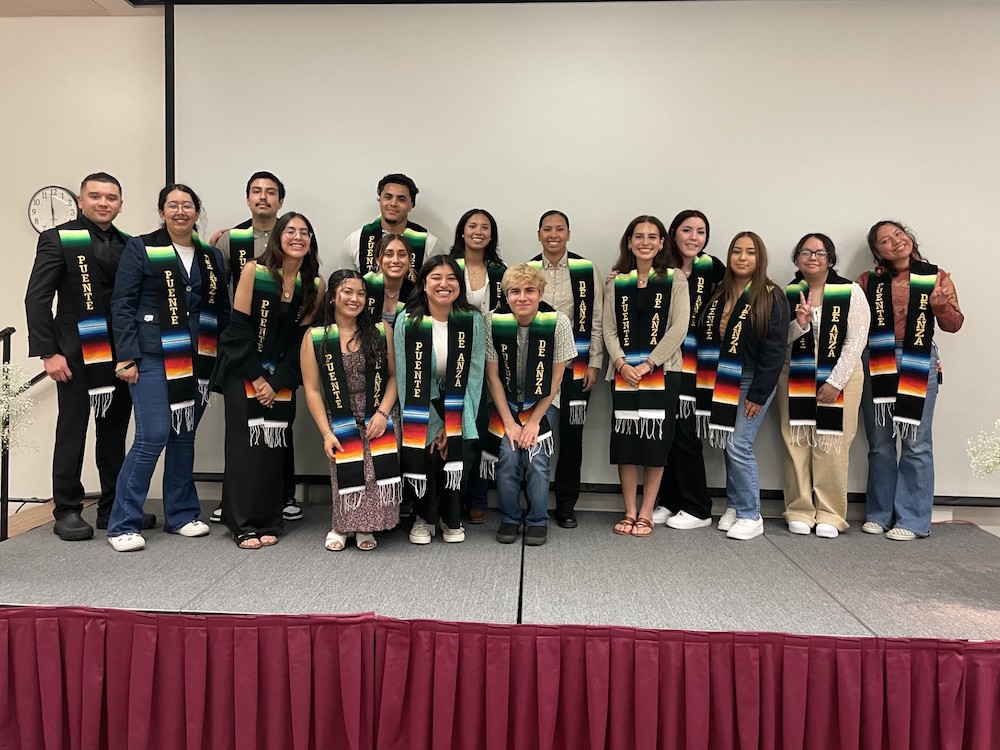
<point>901,490</point>
<point>153,434</point>
<point>742,477</point>
<point>510,464</point>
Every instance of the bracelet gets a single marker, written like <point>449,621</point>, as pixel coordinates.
<point>379,411</point>
<point>619,368</point>
<point>329,434</point>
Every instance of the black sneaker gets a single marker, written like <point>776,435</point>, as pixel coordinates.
<point>567,520</point>
<point>216,516</point>
<point>291,511</point>
<point>536,536</point>
<point>507,533</point>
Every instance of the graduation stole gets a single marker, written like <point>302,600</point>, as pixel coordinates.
<point>270,423</point>
<point>375,289</point>
<point>416,411</point>
<point>414,234</point>
<point>818,424</point>
<point>639,409</point>
<point>540,351</point>
<point>900,394</point>
<point>93,311</point>
<point>494,275</point>
<point>186,373</point>
<point>719,383</point>
<point>581,279</point>
<point>240,249</point>
<point>350,461</point>
<point>700,288</point>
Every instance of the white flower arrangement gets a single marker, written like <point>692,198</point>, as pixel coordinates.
<point>15,407</point>
<point>984,452</point>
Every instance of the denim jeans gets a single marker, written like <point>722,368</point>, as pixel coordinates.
<point>152,434</point>
<point>509,466</point>
<point>742,477</point>
<point>901,492</point>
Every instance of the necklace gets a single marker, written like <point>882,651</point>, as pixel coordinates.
<point>391,295</point>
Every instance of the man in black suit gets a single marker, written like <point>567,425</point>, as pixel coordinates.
<point>77,262</point>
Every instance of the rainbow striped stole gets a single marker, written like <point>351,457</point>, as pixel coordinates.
<point>900,394</point>
<point>92,321</point>
<point>817,424</point>
<point>641,409</point>
<point>723,354</point>
<point>345,426</point>
<point>581,279</point>
<point>414,234</point>
<point>269,424</point>
<point>540,352</point>
<point>240,249</point>
<point>700,287</point>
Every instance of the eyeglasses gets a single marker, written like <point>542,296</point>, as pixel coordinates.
<point>293,232</point>
<point>174,206</point>
<point>817,254</point>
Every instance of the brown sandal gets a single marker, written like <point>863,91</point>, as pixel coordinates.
<point>643,527</point>
<point>628,523</point>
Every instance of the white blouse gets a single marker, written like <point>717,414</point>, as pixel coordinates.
<point>858,320</point>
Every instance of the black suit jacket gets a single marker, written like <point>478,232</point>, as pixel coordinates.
<point>50,278</point>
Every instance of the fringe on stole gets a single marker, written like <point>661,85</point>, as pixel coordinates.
<point>488,462</point>
<point>644,427</point>
<point>577,412</point>
<point>905,429</point>
<point>273,433</point>
<point>685,407</point>
<point>808,435</point>
<point>203,390</point>
<point>352,497</point>
<point>418,482</point>
<point>721,437</point>
<point>453,475</point>
<point>390,491</point>
<point>182,416</point>
<point>487,466</point>
<point>545,444</point>
<point>701,423</point>
<point>100,399</point>
<point>883,412</point>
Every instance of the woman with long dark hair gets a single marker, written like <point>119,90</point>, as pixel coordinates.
<point>440,357</point>
<point>820,387</point>
<point>258,374</point>
<point>741,348</point>
<point>169,305</point>
<point>646,313</point>
<point>349,374</point>
<point>908,296</point>
<point>684,498</point>
<point>390,284</point>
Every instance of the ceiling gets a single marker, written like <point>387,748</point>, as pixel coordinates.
<point>10,8</point>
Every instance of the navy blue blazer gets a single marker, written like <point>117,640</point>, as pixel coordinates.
<point>135,313</point>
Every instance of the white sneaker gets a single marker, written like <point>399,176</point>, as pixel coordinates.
<point>746,528</point>
<point>660,515</point>
<point>801,527</point>
<point>827,531</point>
<point>900,535</point>
<point>727,520</point>
<point>871,527</point>
<point>127,542</point>
<point>684,520</point>
<point>193,528</point>
<point>452,535</point>
<point>421,533</point>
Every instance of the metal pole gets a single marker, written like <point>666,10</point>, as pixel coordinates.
<point>4,454</point>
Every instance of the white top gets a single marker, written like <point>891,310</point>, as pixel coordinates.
<point>859,318</point>
<point>441,348</point>
<point>477,297</point>
<point>186,254</point>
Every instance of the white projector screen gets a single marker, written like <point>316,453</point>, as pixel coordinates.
<point>781,117</point>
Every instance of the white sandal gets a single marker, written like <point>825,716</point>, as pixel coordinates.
<point>360,539</point>
<point>335,541</point>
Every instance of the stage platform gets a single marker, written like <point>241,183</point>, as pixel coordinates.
<point>946,586</point>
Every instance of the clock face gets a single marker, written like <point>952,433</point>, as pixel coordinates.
<point>50,207</point>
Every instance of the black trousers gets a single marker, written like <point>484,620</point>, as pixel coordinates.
<point>288,469</point>
<point>71,439</point>
<point>438,503</point>
<point>566,477</point>
<point>684,486</point>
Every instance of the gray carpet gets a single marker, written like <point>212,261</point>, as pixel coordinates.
<point>946,586</point>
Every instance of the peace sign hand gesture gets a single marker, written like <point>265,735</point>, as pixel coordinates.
<point>804,311</point>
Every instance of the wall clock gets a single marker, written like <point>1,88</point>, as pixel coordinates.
<point>51,206</point>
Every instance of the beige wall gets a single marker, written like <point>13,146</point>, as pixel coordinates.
<point>79,95</point>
